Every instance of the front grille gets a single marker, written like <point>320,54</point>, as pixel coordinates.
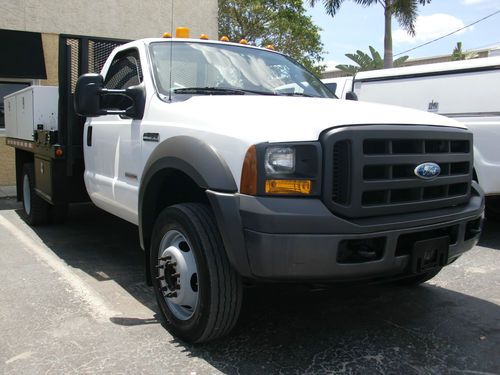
<point>341,172</point>
<point>369,170</point>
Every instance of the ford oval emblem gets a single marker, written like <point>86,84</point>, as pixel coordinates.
<point>427,171</point>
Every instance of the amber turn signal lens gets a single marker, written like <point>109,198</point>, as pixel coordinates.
<point>224,39</point>
<point>204,37</point>
<point>248,183</point>
<point>243,41</point>
<point>167,35</point>
<point>302,187</point>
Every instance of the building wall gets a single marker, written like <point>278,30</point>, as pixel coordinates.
<point>122,19</point>
<point>125,19</point>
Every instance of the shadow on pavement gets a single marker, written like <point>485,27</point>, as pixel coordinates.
<point>375,329</point>
<point>9,203</point>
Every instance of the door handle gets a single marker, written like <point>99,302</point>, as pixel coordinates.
<point>89,136</point>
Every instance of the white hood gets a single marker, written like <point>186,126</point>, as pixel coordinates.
<point>278,119</point>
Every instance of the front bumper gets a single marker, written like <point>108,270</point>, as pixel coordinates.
<point>300,239</point>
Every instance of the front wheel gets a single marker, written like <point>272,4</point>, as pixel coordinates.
<point>492,210</point>
<point>197,290</point>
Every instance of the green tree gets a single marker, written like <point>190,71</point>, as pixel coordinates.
<point>367,62</point>
<point>405,12</point>
<point>281,23</point>
<point>458,54</point>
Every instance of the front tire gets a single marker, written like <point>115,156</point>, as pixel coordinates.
<point>197,290</point>
<point>35,209</point>
<point>492,211</point>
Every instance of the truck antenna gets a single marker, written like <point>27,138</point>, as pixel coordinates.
<point>171,50</point>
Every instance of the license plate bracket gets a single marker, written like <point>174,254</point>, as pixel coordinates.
<point>429,254</point>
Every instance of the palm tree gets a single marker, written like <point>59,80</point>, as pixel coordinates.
<point>458,54</point>
<point>367,62</point>
<point>405,12</point>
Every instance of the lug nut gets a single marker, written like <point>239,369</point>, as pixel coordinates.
<point>167,257</point>
<point>177,286</point>
<point>171,295</point>
<point>177,274</point>
<point>160,278</point>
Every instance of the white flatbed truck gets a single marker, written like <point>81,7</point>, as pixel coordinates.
<point>237,165</point>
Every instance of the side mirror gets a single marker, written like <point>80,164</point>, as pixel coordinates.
<point>91,98</point>
<point>138,95</point>
<point>88,95</point>
<point>351,95</point>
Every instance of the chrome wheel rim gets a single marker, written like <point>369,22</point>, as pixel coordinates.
<point>178,275</point>
<point>26,194</point>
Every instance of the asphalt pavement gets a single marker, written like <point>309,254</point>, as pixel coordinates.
<point>73,301</point>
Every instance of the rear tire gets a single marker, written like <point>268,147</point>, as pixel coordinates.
<point>197,290</point>
<point>417,279</point>
<point>35,209</point>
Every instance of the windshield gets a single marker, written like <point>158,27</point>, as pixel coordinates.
<point>216,69</point>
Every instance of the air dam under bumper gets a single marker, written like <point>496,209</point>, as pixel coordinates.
<point>300,239</point>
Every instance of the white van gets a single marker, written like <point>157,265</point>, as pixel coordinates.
<point>468,91</point>
<point>339,86</point>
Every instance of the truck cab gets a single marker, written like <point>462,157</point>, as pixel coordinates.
<point>239,167</point>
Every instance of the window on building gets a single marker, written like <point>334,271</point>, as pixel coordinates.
<point>7,88</point>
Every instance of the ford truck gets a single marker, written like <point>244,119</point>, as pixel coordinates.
<point>239,166</point>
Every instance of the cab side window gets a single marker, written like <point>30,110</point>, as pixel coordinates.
<point>125,71</point>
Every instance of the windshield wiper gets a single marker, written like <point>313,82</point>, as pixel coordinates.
<point>219,91</point>
<point>298,94</point>
<point>209,91</point>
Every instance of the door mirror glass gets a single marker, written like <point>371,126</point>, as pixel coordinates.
<point>88,95</point>
<point>351,95</point>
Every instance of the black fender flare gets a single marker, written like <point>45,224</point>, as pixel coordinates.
<point>192,156</point>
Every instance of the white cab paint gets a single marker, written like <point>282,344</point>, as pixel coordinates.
<point>229,124</point>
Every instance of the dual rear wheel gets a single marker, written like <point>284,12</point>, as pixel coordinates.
<point>37,211</point>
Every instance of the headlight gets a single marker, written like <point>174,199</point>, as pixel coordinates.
<point>279,160</point>
<point>282,169</point>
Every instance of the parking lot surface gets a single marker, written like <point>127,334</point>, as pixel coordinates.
<point>73,301</point>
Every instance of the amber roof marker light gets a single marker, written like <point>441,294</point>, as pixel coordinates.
<point>182,32</point>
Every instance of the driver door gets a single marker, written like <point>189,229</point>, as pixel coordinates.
<point>113,147</point>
